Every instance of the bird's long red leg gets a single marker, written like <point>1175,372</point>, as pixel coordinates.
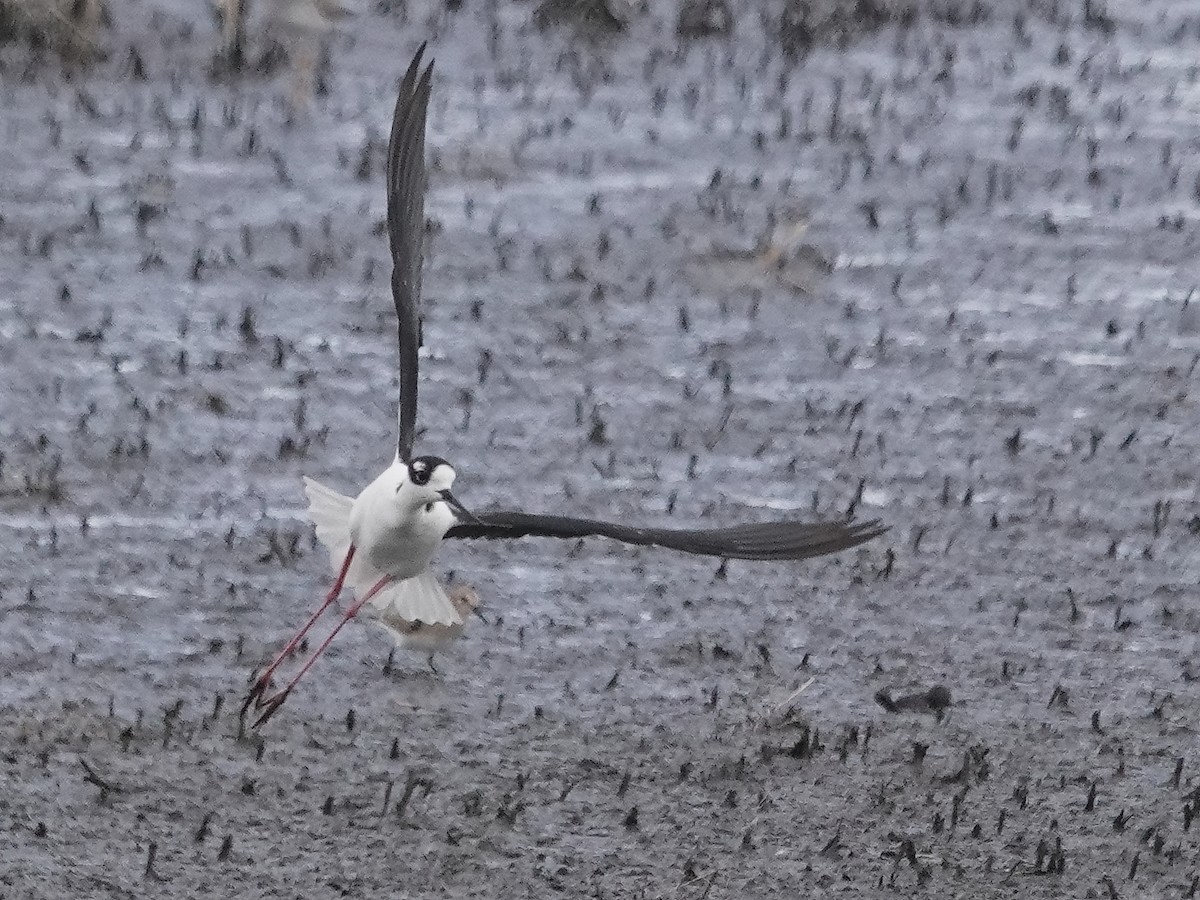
<point>264,680</point>
<point>273,703</point>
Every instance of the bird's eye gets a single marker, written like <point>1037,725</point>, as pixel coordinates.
<point>429,507</point>
<point>419,473</point>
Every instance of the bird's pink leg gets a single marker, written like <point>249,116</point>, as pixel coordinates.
<point>275,701</point>
<point>264,680</point>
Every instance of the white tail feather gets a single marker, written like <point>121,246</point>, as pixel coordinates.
<point>419,599</point>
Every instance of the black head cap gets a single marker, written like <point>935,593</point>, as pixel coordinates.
<point>420,470</point>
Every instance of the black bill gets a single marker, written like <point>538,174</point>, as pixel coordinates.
<point>464,515</point>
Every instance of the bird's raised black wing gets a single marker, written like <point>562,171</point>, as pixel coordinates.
<point>768,540</point>
<point>406,231</point>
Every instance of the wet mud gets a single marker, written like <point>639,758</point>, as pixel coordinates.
<point>938,269</point>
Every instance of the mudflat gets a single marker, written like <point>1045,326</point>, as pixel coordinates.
<point>932,262</point>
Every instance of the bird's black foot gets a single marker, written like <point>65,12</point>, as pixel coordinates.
<point>270,706</point>
<point>256,693</point>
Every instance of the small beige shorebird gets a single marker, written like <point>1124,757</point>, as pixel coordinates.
<point>382,541</point>
<point>422,637</point>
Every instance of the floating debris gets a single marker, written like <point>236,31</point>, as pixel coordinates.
<point>704,19</point>
<point>589,17</point>
<point>936,700</point>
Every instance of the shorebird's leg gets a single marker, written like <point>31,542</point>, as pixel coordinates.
<point>271,704</point>
<point>432,667</point>
<point>263,681</point>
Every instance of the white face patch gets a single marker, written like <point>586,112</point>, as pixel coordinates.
<point>426,478</point>
<point>430,471</point>
<point>442,477</point>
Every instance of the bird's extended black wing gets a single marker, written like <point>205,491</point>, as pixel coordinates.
<point>765,541</point>
<point>406,231</point>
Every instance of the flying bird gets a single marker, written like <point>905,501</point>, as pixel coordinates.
<point>382,541</point>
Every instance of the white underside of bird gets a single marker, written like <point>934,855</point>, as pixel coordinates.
<point>402,549</point>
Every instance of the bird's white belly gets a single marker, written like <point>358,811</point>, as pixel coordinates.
<point>402,552</point>
<point>395,528</point>
<point>393,539</point>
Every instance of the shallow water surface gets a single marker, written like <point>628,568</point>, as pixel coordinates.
<point>982,322</point>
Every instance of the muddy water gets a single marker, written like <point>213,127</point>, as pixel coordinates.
<point>949,262</point>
